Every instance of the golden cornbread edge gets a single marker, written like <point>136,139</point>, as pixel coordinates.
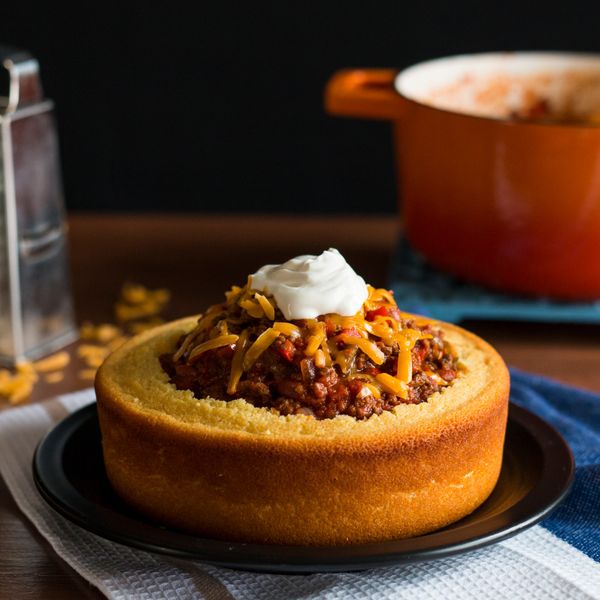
<point>232,471</point>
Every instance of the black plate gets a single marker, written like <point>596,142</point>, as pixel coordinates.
<point>536,475</point>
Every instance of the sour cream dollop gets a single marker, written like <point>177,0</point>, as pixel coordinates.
<point>308,286</point>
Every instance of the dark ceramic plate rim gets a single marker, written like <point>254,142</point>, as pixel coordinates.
<point>57,490</point>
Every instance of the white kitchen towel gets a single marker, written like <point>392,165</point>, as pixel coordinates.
<point>535,564</point>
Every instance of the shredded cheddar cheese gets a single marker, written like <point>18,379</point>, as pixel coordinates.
<point>87,374</point>
<point>52,363</point>
<point>369,348</point>
<point>326,352</point>
<point>369,389</point>
<point>17,386</point>
<point>288,329</point>
<point>54,377</point>
<point>373,389</point>
<point>237,362</point>
<point>267,307</point>
<point>253,308</point>
<point>218,342</point>
<point>264,340</point>
<point>138,302</point>
<point>392,385</point>
<point>319,358</point>
<point>316,339</point>
<point>404,368</point>
<point>345,359</point>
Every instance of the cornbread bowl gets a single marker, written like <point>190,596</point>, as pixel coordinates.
<point>230,470</point>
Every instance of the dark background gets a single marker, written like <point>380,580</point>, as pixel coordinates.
<point>220,109</point>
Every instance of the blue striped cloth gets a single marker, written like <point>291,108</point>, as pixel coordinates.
<point>576,414</point>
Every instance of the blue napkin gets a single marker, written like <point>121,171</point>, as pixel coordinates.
<point>576,414</point>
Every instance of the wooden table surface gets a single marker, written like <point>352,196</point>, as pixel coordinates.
<point>197,258</point>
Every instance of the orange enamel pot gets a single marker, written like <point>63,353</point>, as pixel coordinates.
<point>513,204</point>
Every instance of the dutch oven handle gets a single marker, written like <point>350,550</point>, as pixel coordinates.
<point>367,93</point>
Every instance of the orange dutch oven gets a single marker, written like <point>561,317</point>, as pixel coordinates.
<point>498,164</point>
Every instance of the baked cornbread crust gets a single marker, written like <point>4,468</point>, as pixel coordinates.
<point>233,471</point>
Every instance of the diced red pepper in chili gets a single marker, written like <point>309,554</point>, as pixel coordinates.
<point>287,351</point>
<point>382,311</point>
